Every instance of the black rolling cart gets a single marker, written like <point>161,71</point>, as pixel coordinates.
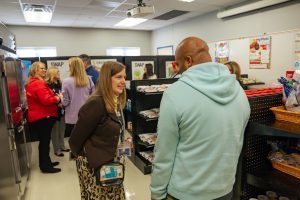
<point>137,124</point>
<point>256,175</point>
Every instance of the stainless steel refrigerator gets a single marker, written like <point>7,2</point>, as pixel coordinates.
<point>15,149</point>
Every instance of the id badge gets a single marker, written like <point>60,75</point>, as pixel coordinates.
<point>124,149</point>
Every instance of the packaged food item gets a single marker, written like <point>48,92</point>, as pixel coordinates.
<point>283,198</point>
<point>262,197</point>
<point>271,195</point>
<point>149,138</point>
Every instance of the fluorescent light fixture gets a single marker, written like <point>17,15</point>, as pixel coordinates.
<point>249,7</point>
<point>189,1</point>
<point>37,13</point>
<point>129,22</point>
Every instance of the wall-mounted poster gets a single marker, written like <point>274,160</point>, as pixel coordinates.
<point>259,52</point>
<point>297,51</point>
<point>137,69</point>
<point>169,69</point>
<point>222,52</point>
<point>97,63</point>
<point>62,65</point>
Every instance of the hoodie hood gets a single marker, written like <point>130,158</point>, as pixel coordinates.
<point>213,80</point>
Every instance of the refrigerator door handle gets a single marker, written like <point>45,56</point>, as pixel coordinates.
<point>18,109</point>
<point>20,129</point>
<point>14,154</point>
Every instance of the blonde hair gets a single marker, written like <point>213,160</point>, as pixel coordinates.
<point>77,71</point>
<point>235,68</point>
<point>33,70</point>
<point>51,75</point>
<point>104,86</point>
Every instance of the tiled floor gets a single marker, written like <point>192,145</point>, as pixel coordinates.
<point>65,186</point>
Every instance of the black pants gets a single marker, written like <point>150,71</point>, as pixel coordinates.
<point>43,128</point>
<point>68,130</point>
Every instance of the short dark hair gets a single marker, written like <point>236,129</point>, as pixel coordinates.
<point>85,58</point>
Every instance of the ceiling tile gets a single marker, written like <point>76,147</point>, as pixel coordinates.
<point>118,14</point>
<point>109,4</point>
<point>9,1</point>
<point>125,7</point>
<point>40,2</point>
<point>106,13</point>
<point>73,3</point>
<point>67,10</point>
<point>63,18</point>
<point>9,7</point>
<point>95,11</point>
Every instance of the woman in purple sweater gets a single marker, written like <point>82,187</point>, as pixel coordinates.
<point>75,89</point>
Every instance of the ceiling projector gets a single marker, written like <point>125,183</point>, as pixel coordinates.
<point>141,10</point>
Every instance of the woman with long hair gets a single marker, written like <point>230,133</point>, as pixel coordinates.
<point>75,89</point>
<point>57,136</point>
<point>234,68</point>
<point>96,135</point>
<point>42,113</point>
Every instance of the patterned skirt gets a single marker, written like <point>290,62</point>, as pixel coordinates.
<point>88,188</point>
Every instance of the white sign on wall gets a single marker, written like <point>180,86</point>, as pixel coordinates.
<point>99,62</point>
<point>62,65</point>
<point>137,69</point>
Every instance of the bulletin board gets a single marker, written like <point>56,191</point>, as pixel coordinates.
<point>282,55</point>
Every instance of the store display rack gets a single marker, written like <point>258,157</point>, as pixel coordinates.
<point>139,124</point>
<point>256,174</point>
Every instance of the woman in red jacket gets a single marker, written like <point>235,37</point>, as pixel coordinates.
<point>42,113</point>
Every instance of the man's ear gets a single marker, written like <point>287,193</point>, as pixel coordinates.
<point>189,61</point>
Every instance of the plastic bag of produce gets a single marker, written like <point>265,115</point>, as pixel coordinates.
<point>293,101</point>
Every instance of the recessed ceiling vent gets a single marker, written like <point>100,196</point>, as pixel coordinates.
<point>170,15</point>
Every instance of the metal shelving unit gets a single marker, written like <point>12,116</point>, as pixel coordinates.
<point>257,174</point>
<point>140,124</point>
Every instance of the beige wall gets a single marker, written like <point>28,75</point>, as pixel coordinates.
<point>210,28</point>
<point>75,41</point>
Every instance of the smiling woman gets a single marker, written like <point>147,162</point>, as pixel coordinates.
<point>98,131</point>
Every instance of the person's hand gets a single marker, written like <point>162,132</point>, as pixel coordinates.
<point>60,95</point>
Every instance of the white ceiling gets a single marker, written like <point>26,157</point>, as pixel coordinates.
<point>106,13</point>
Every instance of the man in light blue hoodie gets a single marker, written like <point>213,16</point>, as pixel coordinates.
<point>201,127</point>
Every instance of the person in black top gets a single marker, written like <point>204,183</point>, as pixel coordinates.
<point>57,136</point>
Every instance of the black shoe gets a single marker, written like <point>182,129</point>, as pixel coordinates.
<point>51,170</point>
<point>54,164</point>
<point>59,154</point>
<point>65,150</point>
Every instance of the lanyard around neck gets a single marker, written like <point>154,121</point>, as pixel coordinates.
<point>121,120</point>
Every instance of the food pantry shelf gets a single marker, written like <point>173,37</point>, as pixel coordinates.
<point>274,128</point>
<point>277,181</point>
<point>144,165</point>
